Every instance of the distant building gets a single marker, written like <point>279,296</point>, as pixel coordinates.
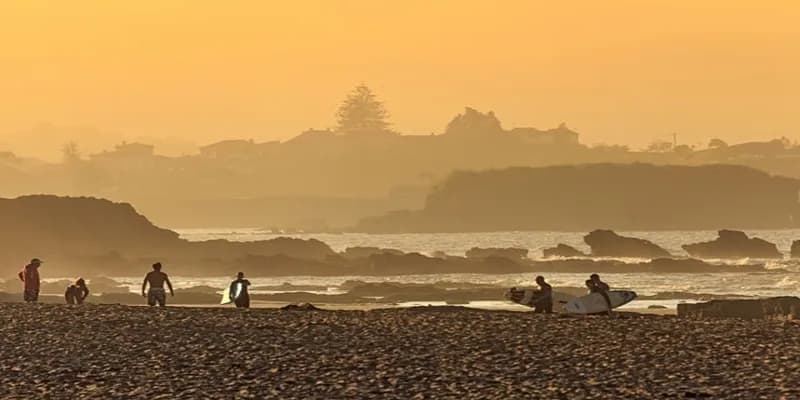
<point>474,123</point>
<point>236,149</point>
<point>556,136</point>
<point>126,151</point>
<point>313,136</point>
<point>127,156</point>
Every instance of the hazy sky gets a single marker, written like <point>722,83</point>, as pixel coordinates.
<point>617,71</point>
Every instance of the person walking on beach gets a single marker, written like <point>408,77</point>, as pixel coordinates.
<point>595,285</point>
<point>156,279</point>
<point>30,279</point>
<point>77,292</point>
<point>544,303</point>
<point>243,299</point>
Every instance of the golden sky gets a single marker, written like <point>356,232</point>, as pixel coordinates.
<point>617,71</point>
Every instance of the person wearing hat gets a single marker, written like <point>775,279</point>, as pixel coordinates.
<point>30,280</point>
<point>77,292</point>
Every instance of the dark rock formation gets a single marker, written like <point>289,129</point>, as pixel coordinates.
<point>87,236</point>
<point>365,252</point>
<point>771,308</point>
<point>795,249</point>
<point>606,243</point>
<point>562,250</point>
<point>300,307</point>
<point>583,197</point>
<point>511,253</point>
<point>733,244</point>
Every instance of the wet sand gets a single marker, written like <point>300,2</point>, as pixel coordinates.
<point>106,351</point>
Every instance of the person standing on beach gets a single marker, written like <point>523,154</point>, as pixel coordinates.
<point>156,279</point>
<point>30,279</point>
<point>595,285</point>
<point>243,300</point>
<point>544,303</point>
<point>77,292</point>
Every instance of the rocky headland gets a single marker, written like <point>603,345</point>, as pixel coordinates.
<point>628,197</point>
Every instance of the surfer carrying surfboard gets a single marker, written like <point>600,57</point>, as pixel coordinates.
<point>238,291</point>
<point>595,285</point>
<point>544,301</point>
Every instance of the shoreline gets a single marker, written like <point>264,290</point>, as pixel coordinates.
<point>102,351</point>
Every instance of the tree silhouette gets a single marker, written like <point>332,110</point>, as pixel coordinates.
<point>71,153</point>
<point>361,111</point>
<point>717,144</point>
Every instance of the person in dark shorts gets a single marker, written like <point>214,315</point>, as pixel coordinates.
<point>77,292</point>
<point>544,301</point>
<point>30,280</point>
<point>243,300</point>
<point>156,279</point>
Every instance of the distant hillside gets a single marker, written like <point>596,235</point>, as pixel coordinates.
<point>623,197</point>
<point>326,180</point>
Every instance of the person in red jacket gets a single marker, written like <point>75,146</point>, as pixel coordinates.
<point>30,279</point>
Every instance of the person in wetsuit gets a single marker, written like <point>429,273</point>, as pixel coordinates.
<point>243,301</point>
<point>30,280</point>
<point>156,279</point>
<point>77,292</point>
<point>544,302</point>
<point>595,285</point>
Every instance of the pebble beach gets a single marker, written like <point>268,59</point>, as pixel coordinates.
<point>113,351</point>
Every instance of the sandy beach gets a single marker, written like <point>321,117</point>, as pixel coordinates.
<point>106,351</point>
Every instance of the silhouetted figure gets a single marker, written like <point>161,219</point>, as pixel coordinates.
<point>543,303</point>
<point>243,299</point>
<point>156,279</point>
<point>30,279</point>
<point>77,292</point>
<point>595,285</point>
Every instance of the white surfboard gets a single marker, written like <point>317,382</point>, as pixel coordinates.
<point>595,303</point>
<point>226,294</point>
<point>526,296</point>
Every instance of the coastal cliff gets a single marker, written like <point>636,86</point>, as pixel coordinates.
<point>614,196</point>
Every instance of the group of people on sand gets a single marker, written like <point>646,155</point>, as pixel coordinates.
<point>152,287</point>
<point>543,303</point>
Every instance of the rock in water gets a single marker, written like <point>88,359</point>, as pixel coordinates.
<point>606,243</point>
<point>771,308</point>
<point>796,249</point>
<point>300,307</point>
<point>366,252</point>
<point>562,250</point>
<point>733,244</point>
<point>511,253</point>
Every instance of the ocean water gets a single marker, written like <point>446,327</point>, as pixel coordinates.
<point>765,284</point>
<point>459,243</point>
<point>751,284</point>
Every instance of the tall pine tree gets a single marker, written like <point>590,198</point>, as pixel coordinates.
<point>362,112</point>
